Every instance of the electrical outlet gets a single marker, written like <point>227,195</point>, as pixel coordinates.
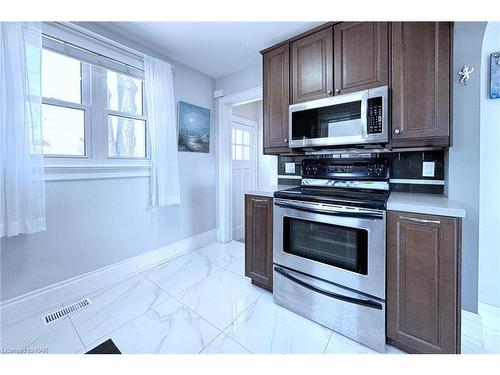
<point>289,167</point>
<point>428,168</point>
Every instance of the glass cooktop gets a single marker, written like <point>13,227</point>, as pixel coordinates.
<point>346,197</point>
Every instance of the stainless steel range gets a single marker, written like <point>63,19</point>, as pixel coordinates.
<point>329,246</point>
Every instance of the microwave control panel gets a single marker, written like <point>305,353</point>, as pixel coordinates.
<point>374,116</point>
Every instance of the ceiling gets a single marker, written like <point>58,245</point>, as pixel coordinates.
<point>213,48</point>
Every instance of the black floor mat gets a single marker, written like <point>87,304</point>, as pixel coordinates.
<point>107,347</point>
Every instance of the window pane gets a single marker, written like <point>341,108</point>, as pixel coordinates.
<point>246,138</point>
<point>234,136</point>
<point>124,93</point>
<point>63,130</point>
<point>238,136</point>
<point>61,77</point>
<point>33,56</point>
<point>246,153</point>
<point>238,152</point>
<point>234,152</point>
<point>126,137</point>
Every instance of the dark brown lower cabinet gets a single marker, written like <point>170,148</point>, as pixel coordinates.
<point>259,240</point>
<point>423,282</point>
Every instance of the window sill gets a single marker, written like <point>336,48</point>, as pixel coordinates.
<point>91,172</point>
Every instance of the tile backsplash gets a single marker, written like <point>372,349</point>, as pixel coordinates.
<point>405,170</point>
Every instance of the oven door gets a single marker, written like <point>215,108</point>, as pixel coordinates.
<point>341,245</point>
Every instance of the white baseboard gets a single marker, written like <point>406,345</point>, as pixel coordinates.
<point>51,296</point>
<point>490,317</point>
<point>483,328</point>
<point>472,327</point>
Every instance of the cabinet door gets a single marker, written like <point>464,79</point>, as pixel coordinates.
<point>259,240</point>
<point>423,278</point>
<point>421,84</point>
<point>361,55</point>
<point>276,94</point>
<point>312,66</point>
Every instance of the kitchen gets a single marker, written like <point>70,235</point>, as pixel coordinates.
<point>367,244</point>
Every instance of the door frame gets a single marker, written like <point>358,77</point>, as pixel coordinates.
<point>224,188</point>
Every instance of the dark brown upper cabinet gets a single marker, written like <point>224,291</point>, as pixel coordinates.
<point>421,83</point>
<point>259,240</point>
<point>276,93</point>
<point>361,56</point>
<point>423,282</point>
<point>312,66</point>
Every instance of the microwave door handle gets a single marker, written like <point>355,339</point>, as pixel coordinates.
<point>357,301</point>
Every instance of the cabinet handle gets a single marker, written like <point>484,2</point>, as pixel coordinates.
<point>420,220</point>
<point>396,131</point>
<point>286,140</point>
<point>255,200</point>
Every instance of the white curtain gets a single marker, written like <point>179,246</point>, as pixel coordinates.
<point>162,130</point>
<point>22,187</point>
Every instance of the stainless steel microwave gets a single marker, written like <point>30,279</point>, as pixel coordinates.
<point>358,118</point>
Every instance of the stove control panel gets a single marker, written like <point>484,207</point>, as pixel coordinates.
<point>352,169</point>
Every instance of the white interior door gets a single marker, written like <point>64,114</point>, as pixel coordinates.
<point>243,168</point>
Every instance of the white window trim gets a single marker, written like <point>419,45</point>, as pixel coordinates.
<point>91,172</point>
<point>96,163</point>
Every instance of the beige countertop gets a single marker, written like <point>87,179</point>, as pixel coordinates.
<point>267,191</point>
<point>432,204</point>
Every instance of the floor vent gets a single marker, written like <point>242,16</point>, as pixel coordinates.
<point>65,311</point>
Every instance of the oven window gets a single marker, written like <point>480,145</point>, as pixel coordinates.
<point>341,120</point>
<point>335,245</point>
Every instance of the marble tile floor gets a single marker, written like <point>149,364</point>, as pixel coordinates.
<point>200,302</point>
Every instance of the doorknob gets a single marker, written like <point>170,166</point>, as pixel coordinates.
<point>329,92</point>
<point>337,91</point>
<point>286,140</point>
<point>396,131</point>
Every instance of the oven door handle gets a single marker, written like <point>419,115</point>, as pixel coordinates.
<point>358,301</point>
<point>361,213</point>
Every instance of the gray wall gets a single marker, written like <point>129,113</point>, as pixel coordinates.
<point>240,81</point>
<point>94,223</point>
<point>489,218</point>
<point>463,156</point>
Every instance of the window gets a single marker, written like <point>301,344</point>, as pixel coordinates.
<point>241,144</point>
<point>126,124</point>
<point>92,103</point>
<point>69,107</point>
<point>64,105</point>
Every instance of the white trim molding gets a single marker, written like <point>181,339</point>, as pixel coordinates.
<point>49,297</point>
<point>490,317</point>
<point>472,327</point>
<point>483,328</point>
<point>89,172</point>
<point>224,168</point>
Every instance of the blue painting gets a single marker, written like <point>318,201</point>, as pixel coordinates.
<point>495,76</point>
<point>194,128</point>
